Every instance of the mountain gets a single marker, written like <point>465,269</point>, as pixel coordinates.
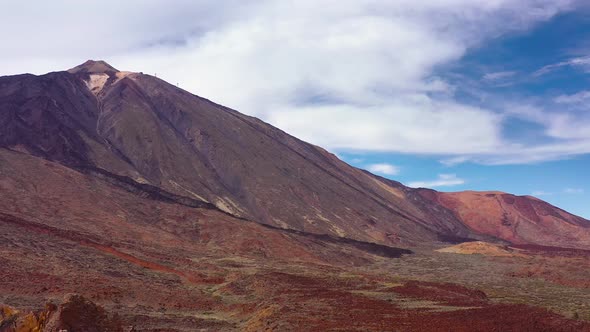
<point>97,119</point>
<point>177,212</point>
<point>515,219</point>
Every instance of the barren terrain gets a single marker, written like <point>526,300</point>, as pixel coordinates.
<point>131,205</point>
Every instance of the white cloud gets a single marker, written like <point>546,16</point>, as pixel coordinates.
<point>498,76</point>
<point>565,133</point>
<point>573,190</point>
<point>443,180</point>
<point>346,75</point>
<point>520,154</point>
<point>539,193</point>
<point>383,168</point>
<point>575,98</point>
<point>580,62</point>
<point>453,161</point>
<point>569,126</point>
<point>395,127</point>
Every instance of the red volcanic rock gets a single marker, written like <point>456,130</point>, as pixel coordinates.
<point>314,304</point>
<point>79,314</point>
<point>516,219</point>
<point>482,248</point>
<point>75,314</point>
<point>450,294</point>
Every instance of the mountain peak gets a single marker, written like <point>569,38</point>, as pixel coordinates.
<point>93,67</point>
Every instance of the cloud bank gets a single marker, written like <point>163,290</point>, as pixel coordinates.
<point>443,180</point>
<point>348,75</point>
<point>383,168</point>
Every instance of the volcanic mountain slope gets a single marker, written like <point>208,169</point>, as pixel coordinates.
<point>65,232</point>
<point>515,219</point>
<point>45,198</point>
<point>97,119</point>
<point>159,262</point>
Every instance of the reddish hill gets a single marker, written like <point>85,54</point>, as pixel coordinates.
<point>515,219</point>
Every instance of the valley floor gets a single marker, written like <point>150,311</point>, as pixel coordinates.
<point>163,266</point>
<point>423,291</point>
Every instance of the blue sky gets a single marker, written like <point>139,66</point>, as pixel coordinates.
<point>450,94</point>
<point>565,181</point>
